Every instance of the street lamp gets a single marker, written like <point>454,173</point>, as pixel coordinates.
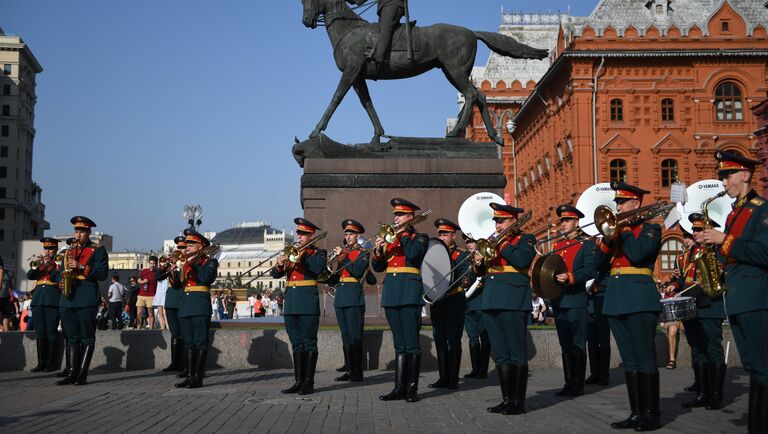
<point>510,126</point>
<point>194,215</point>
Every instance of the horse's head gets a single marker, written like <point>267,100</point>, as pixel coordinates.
<point>312,11</point>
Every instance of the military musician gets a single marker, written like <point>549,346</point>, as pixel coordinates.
<point>632,304</point>
<point>173,297</point>
<point>302,303</point>
<point>570,309</point>
<point>197,275</point>
<point>744,251</point>
<point>45,303</point>
<point>506,304</point>
<point>477,335</point>
<point>447,313</point>
<point>86,264</point>
<point>401,296</point>
<point>349,299</point>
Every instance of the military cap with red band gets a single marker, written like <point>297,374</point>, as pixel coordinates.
<point>195,237</point>
<point>502,211</point>
<point>402,205</point>
<point>697,221</point>
<point>569,212</point>
<point>180,241</point>
<point>352,225</point>
<point>305,226</point>
<point>625,191</point>
<point>81,222</point>
<point>729,161</point>
<point>445,225</point>
<point>50,243</point>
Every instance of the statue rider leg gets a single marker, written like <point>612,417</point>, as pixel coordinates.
<point>389,17</point>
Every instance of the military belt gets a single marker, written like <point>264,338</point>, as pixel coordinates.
<point>631,270</point>
<point>497,269</point>
<point>302,283</point>
<point>394,270</point>
<point>197,289</point>
<point>46,282</point>
<point>349,280</point>
<point>79,277</point>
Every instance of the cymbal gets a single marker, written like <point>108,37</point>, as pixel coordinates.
<point>543,280</point>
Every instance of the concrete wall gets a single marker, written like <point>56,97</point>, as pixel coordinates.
<point>270,349</point>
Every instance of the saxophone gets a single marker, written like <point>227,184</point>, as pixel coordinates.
<point>709,273</point>
<point>66,274</point>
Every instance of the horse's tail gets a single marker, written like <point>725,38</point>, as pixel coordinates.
<point>508,46</point>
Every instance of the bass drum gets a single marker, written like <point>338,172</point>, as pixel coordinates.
<point>434,269</point>
<point>698,193</point>
<point>593,197</point>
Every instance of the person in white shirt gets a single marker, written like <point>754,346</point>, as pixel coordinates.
<point>115,297</point>
<point>159,303</point>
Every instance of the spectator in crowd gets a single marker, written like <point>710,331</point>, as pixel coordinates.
<point>159,303</point>
<point>538,311</point>
<point>266,303</point>
<point>147,290</point>
<point>6,308</point>
<point>230,301</point>
<point>251,300</point>
<point>258,308</point>
<point>215,304</point>
<point>132,298</point>
<point>26,313</point>
<point>280,301</point>
<point>115,296</point>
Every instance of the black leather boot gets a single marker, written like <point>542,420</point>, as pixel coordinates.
<point>345,366</point>
<point>703,380</point>
<point>67,361</point>
<point>454,366</point>
<point>485,358</point>
<point>578,371</point>
<point>42,355</point>
<point>190,363</point>
<point>505,382</point>
<point>400,379</point>
<point>605,365</point>
<point>650,417</point>
<point>751,406</point>
<point>414,370</point>
<point>760,423</point>
<point>196,378</point>
<point>518,389</point>
<point>442,370</point>
<point>356,358</point>
<point>347,363</point>
<point>567,374</point>
<point>633,390</point>
<point>474,357</point>
<point>50,365</point>
<point>174,357</point>
<point>716,384</point>
<point>308,386</point>
<point>85,364</point>
<point>181,363</point>
<point>298,371</point>
<point>695,386</point>
<point>183,357</point>
<point>73,357</point>
<point>594,365</point>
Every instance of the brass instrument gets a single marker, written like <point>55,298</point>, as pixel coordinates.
<point>35,261</point>
<point>487,247</point>
<point>332,263</point>
<point>609,224</point>
<point>66,273</point>
<point>389,232</point>
<point>709,273</point>
<point>293,253</point>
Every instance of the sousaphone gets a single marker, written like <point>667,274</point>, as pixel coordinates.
<point>698,193</point>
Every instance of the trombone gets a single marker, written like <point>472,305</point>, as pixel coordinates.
<point>292,253</point>
<point>389,232</point>
<point>609,224</point>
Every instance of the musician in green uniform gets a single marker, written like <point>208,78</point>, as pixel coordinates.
<point>570,309</point>
<point>45,304</point>
<point>744,251</point>
<point>302,304</point>
<point>401,296</point>
<point>67,349</point>
<point>598,333</point>
<point>447,313</point>
<point>632,305</point>
<point>197,274</point>
<point>704,332</point>
<point>173,297</point>
<point>88,264</point>
<point>349,300</point>
<point>506,305</point>
<point>477,335</point>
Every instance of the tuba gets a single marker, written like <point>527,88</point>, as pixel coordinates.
<point>709,273</point>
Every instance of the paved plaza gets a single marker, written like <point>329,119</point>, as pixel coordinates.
<point>250,401</point>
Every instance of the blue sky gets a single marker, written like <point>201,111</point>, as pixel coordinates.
<point>146,106</point>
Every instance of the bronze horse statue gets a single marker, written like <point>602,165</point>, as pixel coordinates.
<point>450,48</point>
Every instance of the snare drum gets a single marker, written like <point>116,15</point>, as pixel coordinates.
<point>678,309</point>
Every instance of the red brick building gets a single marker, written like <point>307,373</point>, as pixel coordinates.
<point>638,91</point>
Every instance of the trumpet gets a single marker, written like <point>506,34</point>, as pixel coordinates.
<point>334,259</point>
<point>487,247</point>
<point>35,261</point>
<point>609,224</point>
<point>179,258</point>
<point>291,252</point>
<point>389,232</point>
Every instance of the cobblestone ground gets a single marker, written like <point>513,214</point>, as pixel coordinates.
<point>249,401</point>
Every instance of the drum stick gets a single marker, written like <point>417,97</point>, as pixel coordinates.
<point>727,350</point>
<point>686,289</point>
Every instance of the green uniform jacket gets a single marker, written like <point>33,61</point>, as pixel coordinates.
<point>85,293</point>
<point>303,300</point>
<point>349,294</point>
<point>631,293</point>
<point>404,289</point>
<point>198,303</point>
<point>173,296</point>
<point>45,295</point>
<point>745,253</point>
<point>511,291</point>
<point>583,269</point>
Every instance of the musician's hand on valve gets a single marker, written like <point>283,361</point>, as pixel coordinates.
<point>379,244</point>
<point>281,260</point>
<point>562,277</point>
<point>712,236</point>
<point>72,264</point>
<point>336,251</point>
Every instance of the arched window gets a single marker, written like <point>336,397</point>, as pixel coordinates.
<point>667,110</point>
<point>728,103</point>
<point>668,172</point>
<point>617,110</point>
<point>618,170</point>
<point>669,251</point>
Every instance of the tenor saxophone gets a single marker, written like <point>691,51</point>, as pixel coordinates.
<point>709,273</point>
<point>66,275</point>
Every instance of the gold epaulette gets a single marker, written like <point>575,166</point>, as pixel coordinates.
<point>757,201</point>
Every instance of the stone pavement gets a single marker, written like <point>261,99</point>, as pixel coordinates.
<point>250,401</point>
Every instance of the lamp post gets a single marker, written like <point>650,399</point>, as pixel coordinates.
<point>510,126</point>
<point>194,215</point>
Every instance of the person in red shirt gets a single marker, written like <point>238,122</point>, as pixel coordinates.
<point>147,289</point>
